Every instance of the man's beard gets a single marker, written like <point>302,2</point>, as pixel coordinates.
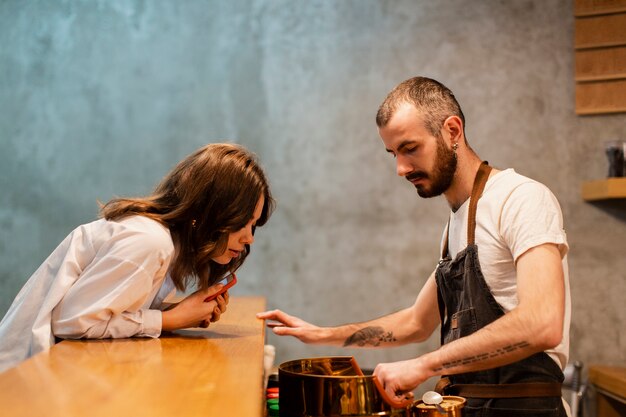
<point>442,174</point>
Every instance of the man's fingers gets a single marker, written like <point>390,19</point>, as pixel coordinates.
<point>265,315</point>
<point>285,331</point>
<point>276,315</point>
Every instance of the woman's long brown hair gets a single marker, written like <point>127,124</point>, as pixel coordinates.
<point>208,195</point>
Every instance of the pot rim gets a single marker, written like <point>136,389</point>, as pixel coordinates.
<point>347,359</point>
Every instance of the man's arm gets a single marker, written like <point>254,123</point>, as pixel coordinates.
<point>412,324</point>
<point>535,325</point>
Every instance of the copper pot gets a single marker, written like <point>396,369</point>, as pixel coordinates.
<point>335,386</point>
<point>329,386</point>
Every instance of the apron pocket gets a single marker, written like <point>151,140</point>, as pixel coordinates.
<point>462,323</point>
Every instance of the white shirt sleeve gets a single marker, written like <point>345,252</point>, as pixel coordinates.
<point>531,217</point>
<point>113,294</point>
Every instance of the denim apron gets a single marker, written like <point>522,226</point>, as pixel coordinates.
<point>530,387</point>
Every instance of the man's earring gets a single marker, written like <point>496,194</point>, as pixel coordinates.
<point>193,224</point>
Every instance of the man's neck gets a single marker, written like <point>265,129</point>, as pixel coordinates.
<point>463,182</point>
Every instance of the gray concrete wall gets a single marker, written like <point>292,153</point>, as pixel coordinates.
<point>101,98</point>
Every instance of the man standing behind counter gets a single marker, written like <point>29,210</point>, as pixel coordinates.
<point>500,290</point>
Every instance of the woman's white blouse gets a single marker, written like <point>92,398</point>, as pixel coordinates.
<point>106,279</point>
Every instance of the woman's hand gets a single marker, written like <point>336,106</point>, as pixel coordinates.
<point>222,303</point>
<point>194,311</point>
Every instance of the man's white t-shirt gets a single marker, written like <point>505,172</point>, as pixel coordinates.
<point>514,214</point>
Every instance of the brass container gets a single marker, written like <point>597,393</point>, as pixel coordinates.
<point>336,387</point>
<point>451,404</point>
<point>329,387</point>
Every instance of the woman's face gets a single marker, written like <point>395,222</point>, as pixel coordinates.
<point>238,240</point>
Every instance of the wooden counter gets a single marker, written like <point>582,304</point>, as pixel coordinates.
<point>197,372</point>
<point>610,384</point>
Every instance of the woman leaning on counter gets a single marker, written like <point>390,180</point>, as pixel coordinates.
<point>109,278</point>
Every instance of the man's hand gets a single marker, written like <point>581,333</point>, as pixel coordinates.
<point>400,378</point>
<point>286,325</point>
<point>193,311</point>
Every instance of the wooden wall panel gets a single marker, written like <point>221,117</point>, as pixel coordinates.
<point>600,56</point>
<point>601,97</point>
<point>600,64</point>
<point>599,31</point>
<point>594,7</point>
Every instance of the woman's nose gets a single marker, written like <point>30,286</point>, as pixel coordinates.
<point>247,236</point>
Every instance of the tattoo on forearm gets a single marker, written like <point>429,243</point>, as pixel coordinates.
<point>482,356</point>
<point>372,335</point>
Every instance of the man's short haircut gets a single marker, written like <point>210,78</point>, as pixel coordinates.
<point>432,98</point>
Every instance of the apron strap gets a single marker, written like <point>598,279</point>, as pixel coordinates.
<point>477,191</point>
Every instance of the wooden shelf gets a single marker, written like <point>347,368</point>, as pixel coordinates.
<point>605,189</point>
